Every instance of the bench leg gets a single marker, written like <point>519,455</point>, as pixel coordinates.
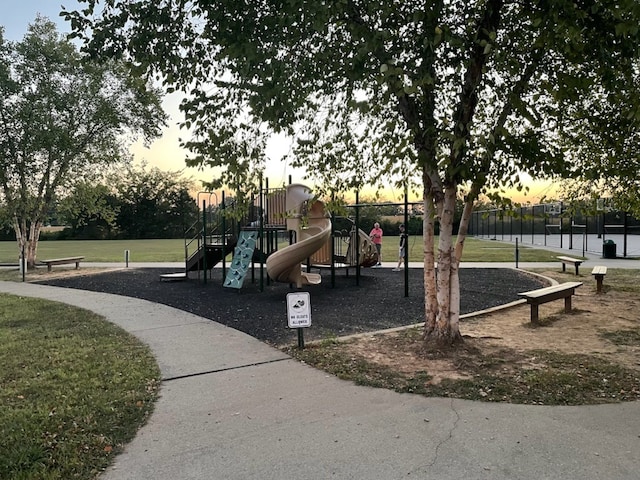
<point>564,267</point>
<point>77,265</point>
<point>534,314</point>
<point>567,304</point>
<point>577,266</point>
<point>48,267</point>
<point>599,279</point>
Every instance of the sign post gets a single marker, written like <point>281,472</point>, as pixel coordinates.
<point>299,313</point>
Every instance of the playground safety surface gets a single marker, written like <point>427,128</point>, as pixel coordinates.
<point>377,303</point>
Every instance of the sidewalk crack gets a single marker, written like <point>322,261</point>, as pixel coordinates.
<point>218,370</point>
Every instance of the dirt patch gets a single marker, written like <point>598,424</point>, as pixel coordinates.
<point>41,274</point>
<point>507,339</point>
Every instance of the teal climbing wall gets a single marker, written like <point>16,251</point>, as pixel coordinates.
<point>242,255</point>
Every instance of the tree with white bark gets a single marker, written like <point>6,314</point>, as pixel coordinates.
<point>62,119</point>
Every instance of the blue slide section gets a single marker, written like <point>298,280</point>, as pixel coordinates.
<point>242,255</point>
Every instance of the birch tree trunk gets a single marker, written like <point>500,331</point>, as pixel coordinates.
<point>430,288</point>
<point>27,236</point>
<point>34,237</point>
<point>21,238</point>
<point>442,284</point>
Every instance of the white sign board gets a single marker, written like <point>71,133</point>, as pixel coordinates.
<point>299,309</point>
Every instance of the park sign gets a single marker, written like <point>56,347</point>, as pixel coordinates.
<point>299,309</point>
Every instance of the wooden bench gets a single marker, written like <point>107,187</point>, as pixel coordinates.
<point>599,272</point>
<point>570,260</point>
<point>536,298</point>
<point>62,261</point>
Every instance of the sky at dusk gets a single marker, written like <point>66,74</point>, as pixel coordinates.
<point>165,152</point>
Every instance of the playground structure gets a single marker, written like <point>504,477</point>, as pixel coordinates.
<point>309,222</point>
<point>275,216</point>
<point>553,225</point>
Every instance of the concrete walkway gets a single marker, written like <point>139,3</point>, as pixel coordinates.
<point>231,407</point>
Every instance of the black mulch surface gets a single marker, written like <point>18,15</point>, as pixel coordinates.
<point>378,302</point>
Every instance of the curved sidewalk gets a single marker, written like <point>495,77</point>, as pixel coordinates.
<point>231,407</point>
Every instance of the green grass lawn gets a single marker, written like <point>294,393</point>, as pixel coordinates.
<point>173,250</point>
<point>73,389</point>
<point>475,250</point>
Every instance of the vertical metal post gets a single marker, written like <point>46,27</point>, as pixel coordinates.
<point>571,221</point>
<point>624,231</point>
<point>357,238</point>
<point>406,244</point>
<point>545,220</point>
<point>488,227</point>
<point>585,234</point>
<point>261,233</point>
<point>598,226</point>
<point>533,224</point>
<point>332,247</point>
<point>495,224</point>
<point>224,238</point>
<point>204,240</point>
<point>561,210</point>
<point>521,224</point>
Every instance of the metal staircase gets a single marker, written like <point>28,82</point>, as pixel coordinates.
<point>208,241</point>
<point>209,255</point>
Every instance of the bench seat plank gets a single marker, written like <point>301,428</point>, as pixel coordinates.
<point>535,298</point>
<point>599,271</point>
<point>62,261</point>
<point>570,260</point>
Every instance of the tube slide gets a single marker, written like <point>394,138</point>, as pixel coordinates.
<point>286,265</point>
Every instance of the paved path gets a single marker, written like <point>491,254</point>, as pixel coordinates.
<point>231,407</point>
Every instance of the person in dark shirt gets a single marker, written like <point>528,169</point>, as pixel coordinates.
<point>402,248</point>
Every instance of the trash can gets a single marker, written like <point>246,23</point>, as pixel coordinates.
<point>609,249</point>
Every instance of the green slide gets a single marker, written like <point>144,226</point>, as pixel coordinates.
<point>242,255</point>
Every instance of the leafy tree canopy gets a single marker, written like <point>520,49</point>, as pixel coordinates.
<point>89,210</point>
<point>62,118</point>
<point>372,87</point>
